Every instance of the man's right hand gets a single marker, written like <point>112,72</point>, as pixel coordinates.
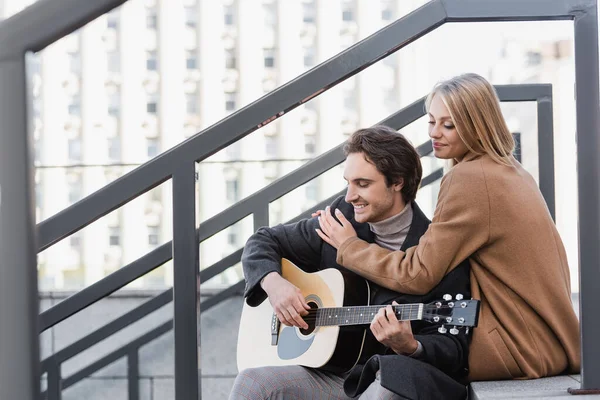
<point>286,299</point>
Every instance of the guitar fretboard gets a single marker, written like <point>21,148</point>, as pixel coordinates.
<point>364,314</point>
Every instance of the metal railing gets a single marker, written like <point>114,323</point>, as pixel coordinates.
<point>541,94</point>
<point>47,21</point>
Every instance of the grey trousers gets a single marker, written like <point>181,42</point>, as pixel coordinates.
<point>295,382</point>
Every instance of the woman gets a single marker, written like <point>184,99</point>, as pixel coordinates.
<point>491,211</point>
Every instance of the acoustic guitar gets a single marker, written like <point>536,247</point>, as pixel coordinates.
<point>335,338</point>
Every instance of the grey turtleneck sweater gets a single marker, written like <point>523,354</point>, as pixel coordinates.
<point>391,232</point>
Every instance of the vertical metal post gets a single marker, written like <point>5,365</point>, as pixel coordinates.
<point>19,347</point>
<point>261,217</point>
<point>54,381</point>
<point>186,276</point>
<point>546,152</point>
<point>133,375</point>
<point>588,174</point>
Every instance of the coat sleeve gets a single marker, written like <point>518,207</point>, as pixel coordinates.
<point>460,226</point>
<point>444,351</point>
<point>298,242</point>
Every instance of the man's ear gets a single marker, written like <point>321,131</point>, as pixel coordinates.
<point>399,185</point>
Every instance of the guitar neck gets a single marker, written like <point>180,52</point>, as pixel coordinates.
<point>364,314</point>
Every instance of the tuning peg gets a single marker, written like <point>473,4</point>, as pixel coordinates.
<point>459,296</point>
<point>451,304</point>
<point>454,331</point>
<point>442,329</point>
<point>447,297</point>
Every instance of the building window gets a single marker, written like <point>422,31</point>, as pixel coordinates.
<point>269,56</point>
<point>349,100</point>
<point>230,101</point>
<point>270,15</point>
<point>534,58</point>
<point>233,235</point>
<point>152,147</point>
<point>114,236</point>
<point>151,61</point>
<point>191,59</point>
<point>114,104</point>
<point>309,12</point>
<point>191,16</point>
<point>75,241</point>
<point>112,20</point>
<point>387,10</point>
<point>113,59</point>
<point>151,18</point>
<point>74,150</point>
<point>228,13</point>
<point>191,102</point>
<point>114,149</point>
<point>271,147</point>
<point>75,106</point>
<point>75,187</point>
<point>74,62</point>
<point>347,11</point>
<point>309,56</point>
<point>153,235</point>
<point>312,191</point>
<point>152,104</point>
<point>232,190</point>
<point>230,61</point>
<point>310,144</point>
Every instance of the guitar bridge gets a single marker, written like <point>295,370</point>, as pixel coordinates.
<point>274,330</point>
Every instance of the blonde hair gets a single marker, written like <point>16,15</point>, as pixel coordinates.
<point>475,110</point>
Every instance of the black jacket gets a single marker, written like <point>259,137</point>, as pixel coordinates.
<point>443,363</point>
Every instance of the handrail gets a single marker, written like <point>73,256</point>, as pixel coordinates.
<point>285,184</point>
<point>45,22</point>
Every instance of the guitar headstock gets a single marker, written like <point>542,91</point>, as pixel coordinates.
<point>456,312</point>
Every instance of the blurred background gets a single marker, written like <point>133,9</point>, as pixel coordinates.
<point>146,76</point>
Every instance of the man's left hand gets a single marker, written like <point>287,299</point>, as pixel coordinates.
<point>333,232</point>
<point>397,335</point>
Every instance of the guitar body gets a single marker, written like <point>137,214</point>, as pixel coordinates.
<point>334,348</point>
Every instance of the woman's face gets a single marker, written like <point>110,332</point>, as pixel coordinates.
<point>445,140</point>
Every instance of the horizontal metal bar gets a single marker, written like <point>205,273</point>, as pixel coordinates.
<point>109,329</point>
<point>44,22</point>
<point>105,286</point>
<point>510,10</point>
<point>103,201</point>
<point>241,123</point>
<point>434,176</point>
<point>524,92</point>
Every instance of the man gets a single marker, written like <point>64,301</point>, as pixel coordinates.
<point>383,171</point>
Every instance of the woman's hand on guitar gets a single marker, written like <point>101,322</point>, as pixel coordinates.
<point>397,335</point>
<point>333,232</point>
<point>286,299</point>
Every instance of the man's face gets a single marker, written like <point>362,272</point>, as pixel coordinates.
<point>372,199</point>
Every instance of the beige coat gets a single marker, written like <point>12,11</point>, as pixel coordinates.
<point>496,216</point>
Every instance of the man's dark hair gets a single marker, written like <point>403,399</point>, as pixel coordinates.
<point>392,154</point>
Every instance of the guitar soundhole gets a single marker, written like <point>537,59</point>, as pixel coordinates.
<point>310,319</point>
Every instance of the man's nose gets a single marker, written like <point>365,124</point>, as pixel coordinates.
<point>350,195</point>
